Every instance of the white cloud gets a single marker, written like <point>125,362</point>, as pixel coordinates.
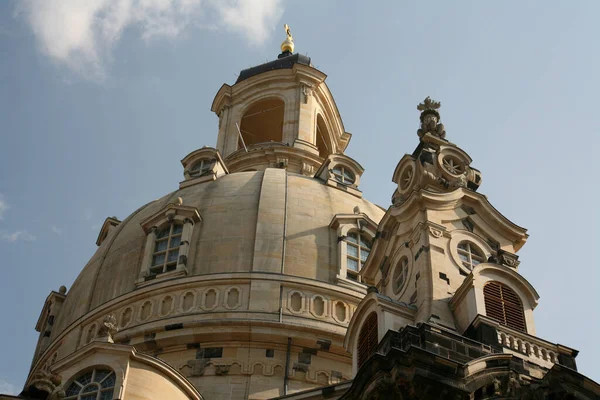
<point>7,388</point>
<point>56,230</point>
<point>252,18</point>
<point>3,206</point>
<point>82,34</point>
<point>17,235</point>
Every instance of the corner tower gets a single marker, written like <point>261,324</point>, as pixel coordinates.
<point>286,116</point>
<point>449,315</point>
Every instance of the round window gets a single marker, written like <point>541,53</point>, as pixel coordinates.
<point>470,255</point>
<point>343,175</point>
<point>453,165</point>
<point>400,276</point>
<point>406,177</point>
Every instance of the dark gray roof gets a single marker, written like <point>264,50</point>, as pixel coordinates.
<point>284,61</point>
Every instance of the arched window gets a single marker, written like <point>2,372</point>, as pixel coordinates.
<point>343,175</point>
<point>166,249</point>
<point>470,254</point>
<point>504,305</point>
<point>358,247</point>
<point>400,275</point>
<point>97,384</point>
<point>322,137</point>
<point>367,339</point>
<point>202,167</point>
<point>262,122</point>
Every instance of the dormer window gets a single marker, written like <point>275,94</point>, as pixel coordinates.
<point>341,172</point>
<point>355,238</point>
<point>166,249</point>
<point>202,167</point>
<point>168,242</point>
<point>358,247</point>
<point>343,175</point>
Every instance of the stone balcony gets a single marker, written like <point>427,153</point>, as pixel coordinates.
<point>436,340</point>
<point>532,348</point>
<point>484,337</point>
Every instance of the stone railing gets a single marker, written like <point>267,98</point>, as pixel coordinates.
<point>537,350</point>
<point>510,341</point>
<point>436,340</point>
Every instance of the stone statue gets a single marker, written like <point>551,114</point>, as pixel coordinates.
<point>48,382</point>
<point>512,385</point>
<point>497,387</point>
<point>430,118</point>
<point>109,328</point>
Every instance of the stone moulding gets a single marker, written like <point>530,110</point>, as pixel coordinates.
<point>199,285</point>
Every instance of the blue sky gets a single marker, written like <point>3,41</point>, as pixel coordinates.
<point>100,99</point>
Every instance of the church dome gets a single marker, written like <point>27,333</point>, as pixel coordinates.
<point>244,280</point>
<point>236,210</point>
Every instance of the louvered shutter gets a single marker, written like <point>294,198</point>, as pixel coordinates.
<point>367,339</point>
<point>504,305</point>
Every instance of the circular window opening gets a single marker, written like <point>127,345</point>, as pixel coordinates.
<point>470,255</point>
<point>406,177</point>
<point>453,165</point>
<point>343,175</point>
<point>202,167</point>
<point>400,275</point>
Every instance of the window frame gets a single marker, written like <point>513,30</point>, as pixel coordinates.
<point>461,235</point>
<point>359,251</point>
<point>206,164</point>
<point>173,214</point>
<point>344,224</point>
<point>339,172</point>
<point>404,272</point>
<point>168,250</point>
<point>471,250</point>
<point>98,383</point>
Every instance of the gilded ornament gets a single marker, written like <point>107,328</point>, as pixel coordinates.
<point>288,44</point>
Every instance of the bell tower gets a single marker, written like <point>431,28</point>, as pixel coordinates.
<point>440,229</point>
<point>277,114</point>
<point>445,261</point>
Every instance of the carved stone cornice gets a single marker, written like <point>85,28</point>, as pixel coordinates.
<point>409,365</point>
<point>169,213</point>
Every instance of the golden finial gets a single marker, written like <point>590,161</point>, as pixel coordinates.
<point>288,43</point>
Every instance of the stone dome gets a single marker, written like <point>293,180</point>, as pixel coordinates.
<point>244,280</point>
<point>226,239</point>
<point>262,283</point>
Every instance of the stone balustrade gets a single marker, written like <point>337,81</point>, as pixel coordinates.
<point>545,354</point>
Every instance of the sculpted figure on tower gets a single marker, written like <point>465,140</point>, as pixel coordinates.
<point>430,118</point>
